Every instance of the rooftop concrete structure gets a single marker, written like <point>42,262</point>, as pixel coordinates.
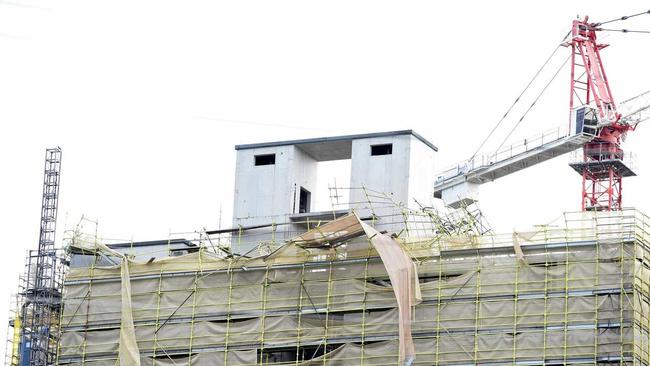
<point>275,182</point>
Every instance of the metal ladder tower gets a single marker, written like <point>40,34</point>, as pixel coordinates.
<point>43,277</point>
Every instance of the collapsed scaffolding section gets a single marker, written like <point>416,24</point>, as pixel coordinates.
<point>579,293</point>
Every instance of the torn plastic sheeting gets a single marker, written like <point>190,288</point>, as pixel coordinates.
<point>129,353</point>
<point>404,279</point>
<point>517,247</point>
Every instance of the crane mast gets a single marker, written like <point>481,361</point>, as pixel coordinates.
<point>602,167</point>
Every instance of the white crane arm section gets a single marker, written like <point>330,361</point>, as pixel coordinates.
<point>457,185</point>
<point>635,110</point>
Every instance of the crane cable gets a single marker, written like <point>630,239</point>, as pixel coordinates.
<point>533,103</point>
<point>622,18</point>
<point>519,98</point>
<point>624,30</point>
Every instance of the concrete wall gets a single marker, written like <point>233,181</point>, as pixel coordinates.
<point>257,190</point>
<point>269,193</point>
<point>383,173</point>
<point>305,174</point>
<point>404,176</point>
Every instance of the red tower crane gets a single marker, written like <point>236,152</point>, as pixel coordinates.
<point>602,167</point>
<point>597,126</point>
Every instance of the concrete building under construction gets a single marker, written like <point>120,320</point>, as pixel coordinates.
<point>381,279</point>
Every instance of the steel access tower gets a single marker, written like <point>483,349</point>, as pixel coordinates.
<point>41,297</point>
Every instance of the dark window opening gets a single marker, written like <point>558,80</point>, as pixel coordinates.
<point>304,353</point>
<point>172,357</point>
<point>545,264</point>
<point>385,149</point>
<point>305,201</point>
<point>268,159</point>
<point>443,277</point>
<point>380,282</point>
<point>231,320</point>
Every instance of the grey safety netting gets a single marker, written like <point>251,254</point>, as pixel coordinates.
<point>573,294</point>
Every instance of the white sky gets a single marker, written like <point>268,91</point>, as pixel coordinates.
<point>148,98</point>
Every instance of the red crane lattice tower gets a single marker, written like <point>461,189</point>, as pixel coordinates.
<point>602,167</point>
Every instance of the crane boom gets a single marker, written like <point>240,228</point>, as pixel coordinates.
<point>458,186</point>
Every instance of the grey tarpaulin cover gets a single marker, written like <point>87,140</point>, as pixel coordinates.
<point>128,353</point>
<point>399,266</point>
<point>573,297</point>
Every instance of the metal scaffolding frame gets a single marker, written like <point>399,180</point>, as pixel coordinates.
<point>42,284</point>
<point>567,294</point>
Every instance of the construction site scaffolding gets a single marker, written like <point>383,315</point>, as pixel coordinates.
<point>573,293</point>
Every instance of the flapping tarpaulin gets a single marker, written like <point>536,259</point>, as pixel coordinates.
<point>128,352</point>
<point>404,279</point>
<point>401,269</point>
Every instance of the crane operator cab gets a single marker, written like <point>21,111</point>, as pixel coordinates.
<point>584,119</point>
